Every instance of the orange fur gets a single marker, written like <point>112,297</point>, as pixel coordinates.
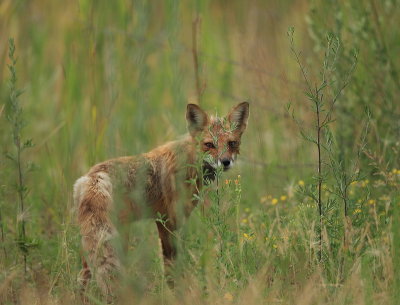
<point>142,186</point>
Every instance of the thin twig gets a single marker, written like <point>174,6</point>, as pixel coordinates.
<point>195,28</point>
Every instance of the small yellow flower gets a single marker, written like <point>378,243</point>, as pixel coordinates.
<point>356,211</point>
<point>248,236</point>
<point>228,296</point>
<point>394,171</point>
<point>239,176</point>
<point>274,201</point>
<point>247,210</point>
<point>245,220</point>
<point>283,198</point>
<point>351,192</point>
<point>301,182</point>
<point>353,183</point>
<point>274,246</point>
<point>371,201</point>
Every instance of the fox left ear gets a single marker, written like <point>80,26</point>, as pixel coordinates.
<point>239,116</point>
<point>196,118</point>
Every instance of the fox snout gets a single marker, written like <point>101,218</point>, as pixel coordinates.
<point>226,163</point>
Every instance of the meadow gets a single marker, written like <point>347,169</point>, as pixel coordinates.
<point>310,214</point>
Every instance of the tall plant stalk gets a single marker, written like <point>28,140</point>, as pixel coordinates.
<point>196,62</point>
<point>324,102</point>
<point>15,117</point>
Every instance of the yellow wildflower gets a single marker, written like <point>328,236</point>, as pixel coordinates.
<point>247,210</point>
<point>371,201</point>
<point>301,182</point>
<point>228,296</point>
<point>356,211</point>
<point>248,236</point>
<point>245,220</point>
<point>274,246</point>
<point>274,201</point>
<point>283,198</point>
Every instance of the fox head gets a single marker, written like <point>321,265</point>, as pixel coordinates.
<point>219,137</point>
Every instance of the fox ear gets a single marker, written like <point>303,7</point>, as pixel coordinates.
<point>196,118</point>
<point>239,116</point>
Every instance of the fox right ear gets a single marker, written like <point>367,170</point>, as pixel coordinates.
<point>196,119</point>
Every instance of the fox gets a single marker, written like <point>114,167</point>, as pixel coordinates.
<point>152,184</point>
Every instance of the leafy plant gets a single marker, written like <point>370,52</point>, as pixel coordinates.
<point>14,114</point>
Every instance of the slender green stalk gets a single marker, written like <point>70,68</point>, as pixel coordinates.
<point>14,116</point>
<point>3,235</point>
<point>195,53</point>
<point>319,202</point>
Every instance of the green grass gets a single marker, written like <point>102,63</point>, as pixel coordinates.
<point>103,80</point>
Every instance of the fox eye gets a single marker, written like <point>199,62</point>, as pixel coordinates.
<point>209,145</point>
<point>233,144</point>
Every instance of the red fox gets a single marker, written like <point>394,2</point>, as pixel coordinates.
<point>151,184</point>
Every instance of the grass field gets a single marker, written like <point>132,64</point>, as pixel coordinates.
<point>310,215</point>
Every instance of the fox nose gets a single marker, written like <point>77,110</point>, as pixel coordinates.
<point>226,162</point>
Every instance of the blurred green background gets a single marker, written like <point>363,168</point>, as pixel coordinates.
<point>106,80</point>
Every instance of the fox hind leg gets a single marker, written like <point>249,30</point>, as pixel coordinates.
<point>93,195</point>
<point>84,277</point>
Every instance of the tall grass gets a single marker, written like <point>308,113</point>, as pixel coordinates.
<point>106,80</point>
